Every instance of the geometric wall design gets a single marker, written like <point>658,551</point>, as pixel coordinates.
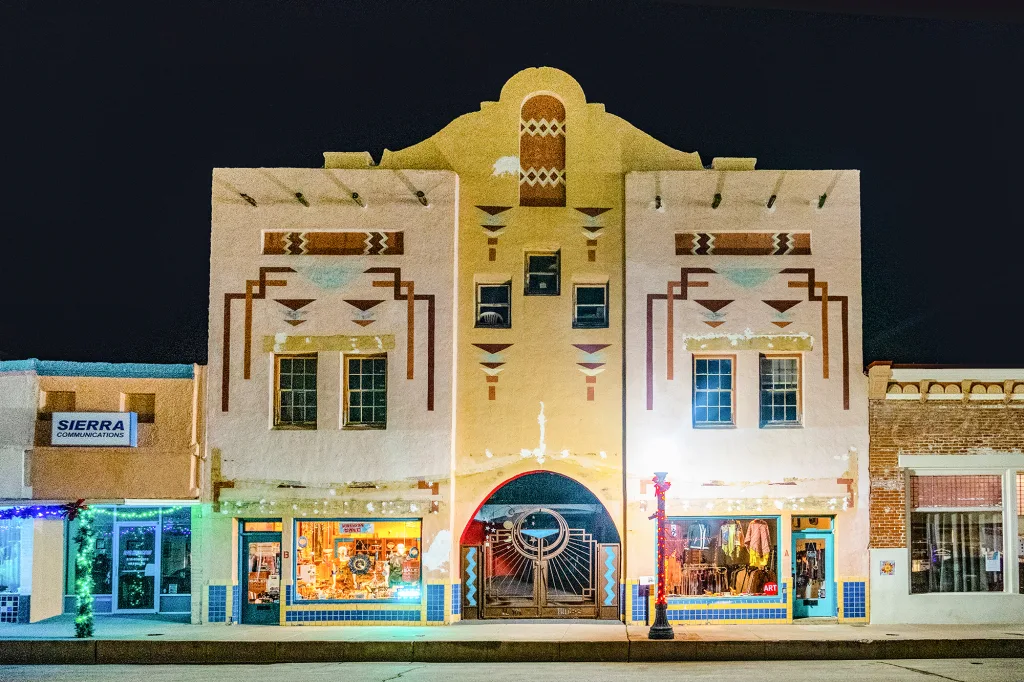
<point>743,243</point>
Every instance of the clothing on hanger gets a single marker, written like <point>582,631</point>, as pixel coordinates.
<point>731,537</point>
<point>757,540</point>
<point>697,536</point>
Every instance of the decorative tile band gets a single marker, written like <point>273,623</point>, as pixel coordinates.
<point>332,243</point>
<point>743,243</point>
<point>327,615</point>
<point>853,600</point>
<point>217,604</point>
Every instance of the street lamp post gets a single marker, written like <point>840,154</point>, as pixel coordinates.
<point>661,629</point>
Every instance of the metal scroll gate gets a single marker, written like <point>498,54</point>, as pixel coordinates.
<point>536,566</point>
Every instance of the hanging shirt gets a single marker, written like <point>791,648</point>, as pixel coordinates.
<point>758,539</point>
<point>697,536</point>
<point>731,536</point>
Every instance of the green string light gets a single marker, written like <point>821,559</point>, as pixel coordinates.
<point>85,538</point>
<point>147,515</point>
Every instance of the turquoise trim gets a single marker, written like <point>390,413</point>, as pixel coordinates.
<point>825,608</point>
<point>120,370</point>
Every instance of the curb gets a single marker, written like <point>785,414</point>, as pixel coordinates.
<point>192,652</point>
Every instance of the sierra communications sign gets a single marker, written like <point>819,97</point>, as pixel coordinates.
<point>95,429</point>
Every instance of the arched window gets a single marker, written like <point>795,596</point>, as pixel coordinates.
<point>542,152</point>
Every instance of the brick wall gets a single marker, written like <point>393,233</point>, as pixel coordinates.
<point>928,428</point>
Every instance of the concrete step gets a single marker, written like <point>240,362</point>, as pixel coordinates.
<point>174,652</point>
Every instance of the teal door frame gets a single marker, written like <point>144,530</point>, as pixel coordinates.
<point>256,614</point>
<point>816,607</point>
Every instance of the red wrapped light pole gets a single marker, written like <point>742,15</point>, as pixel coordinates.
<point>661,628</point>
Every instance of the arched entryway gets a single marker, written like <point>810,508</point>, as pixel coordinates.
<point>540,546</point>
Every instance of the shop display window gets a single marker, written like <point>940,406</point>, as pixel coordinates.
<point>10,555</point>
<point>176,551</point>
<point>357,560</point>
<point>721,556</point>
<point>956,534</point>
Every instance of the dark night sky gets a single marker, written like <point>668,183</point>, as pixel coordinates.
<point>114,122</point>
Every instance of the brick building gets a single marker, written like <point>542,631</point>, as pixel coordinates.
<point>946,465</point>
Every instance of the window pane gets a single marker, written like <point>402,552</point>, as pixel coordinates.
<point>725,380</point>
<point>591,295</point>
<point>713,366</point>
<point>543,264</point>
<point>701,414</point>
<point>956,491</point>
<point>176,552</point>
<point>713,381</point>
<point>495,294</point>
<point>956,552</point>
<point>702,381</point>
<point>725,413</point>
<point>702,366</point>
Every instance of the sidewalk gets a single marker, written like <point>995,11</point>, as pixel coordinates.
<point>148,640</point>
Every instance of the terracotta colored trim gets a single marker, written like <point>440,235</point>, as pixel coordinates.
<point>669,331</point>
<point>824,328</point>
<point>226,358</point>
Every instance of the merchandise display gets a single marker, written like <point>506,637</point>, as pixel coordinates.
<point>720,556</point>
<point>343,560</point>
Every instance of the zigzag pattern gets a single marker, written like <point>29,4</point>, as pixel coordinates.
<point>295,243</point>
<point>471,576</point>
<point>703,244</point>
<point>543,127</point>
<point>609,586</point>
<point>781,243</point>
<point>542,176</point>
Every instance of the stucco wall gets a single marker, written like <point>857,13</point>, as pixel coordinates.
<point>744,469</point>
<point>18,397</point>
<point>163,466</point>
<point>417,441</point>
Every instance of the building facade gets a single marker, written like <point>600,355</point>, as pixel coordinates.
<point>947,494</point>
<point>332,298</point>
<point>744,385</point>
<point>126,440</point>
<point>517,231</point>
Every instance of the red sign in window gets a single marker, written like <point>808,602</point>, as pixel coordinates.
<point>771,588</point>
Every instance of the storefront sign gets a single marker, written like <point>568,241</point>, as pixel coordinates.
<point>771,588</point>
<point>356,527</point>
<point>95,429</point>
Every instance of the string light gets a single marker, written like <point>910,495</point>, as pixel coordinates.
<point>85,538</point>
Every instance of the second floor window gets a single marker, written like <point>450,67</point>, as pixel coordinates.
<point>366,395</point>
<point>712,391</point>
<point>780,391</point>
<point>55,401</point>
<point>543,274</point>
<point>296,391</point>
<point>143,404</point>
<point>590,306</point>
<point>494,305</point>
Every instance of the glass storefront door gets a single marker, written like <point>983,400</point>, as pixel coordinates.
<point>260,578</point>
<point>135,573</point>
<point>814,586</point>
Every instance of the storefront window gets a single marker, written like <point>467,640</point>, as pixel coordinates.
<point>10,555</point>
<point>721,556</point>
<point>357,560</point>
<point>956,534</point>
<point>176,551</point>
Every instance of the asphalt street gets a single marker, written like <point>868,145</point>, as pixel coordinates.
<point>958,670</point>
